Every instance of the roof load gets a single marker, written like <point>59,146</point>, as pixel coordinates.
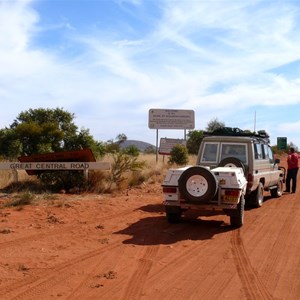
<point>234,131</point>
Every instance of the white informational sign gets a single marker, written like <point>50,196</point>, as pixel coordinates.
<point>166,145</point>
<point>171,119</point>
<point>55,166</point>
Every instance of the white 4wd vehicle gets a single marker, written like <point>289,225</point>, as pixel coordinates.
<point>232,167</point>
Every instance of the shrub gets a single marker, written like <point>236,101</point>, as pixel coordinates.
<point>23,199</point>
<point>63,180</point>
<point>122,163</point>
<point>179,155</point>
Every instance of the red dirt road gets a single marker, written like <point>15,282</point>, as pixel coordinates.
<point>121,247</point>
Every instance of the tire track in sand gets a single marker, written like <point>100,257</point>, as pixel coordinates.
<point>35,287</point>
<point>63,230</point>
<point>283,239</point>
<point>44,281</point>
<point>137,281</point>
<point>252,285</point>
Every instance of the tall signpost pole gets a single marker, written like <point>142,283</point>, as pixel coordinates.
<point>156,145</point>
<point>170,119</point>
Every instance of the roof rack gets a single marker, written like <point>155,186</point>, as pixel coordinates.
<point>234,131</point>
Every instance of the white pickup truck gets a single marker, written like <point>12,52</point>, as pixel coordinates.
<point>219,190</point>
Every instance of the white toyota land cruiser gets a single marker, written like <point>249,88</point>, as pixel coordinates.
<point>232,167</point>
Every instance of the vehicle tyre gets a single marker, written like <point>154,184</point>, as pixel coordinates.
<point>197,184</point>
<point>232,162</point>
<point>259,195</point>
<point>237,219</point>
<point>277,192</point>
<point>173,214</point>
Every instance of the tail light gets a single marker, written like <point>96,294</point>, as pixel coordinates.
<point>233,193</point>
<point>169,190</point>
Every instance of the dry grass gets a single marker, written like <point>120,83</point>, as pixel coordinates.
<point>20,200</point>
<point>7,177</point>
<point>154,171</point>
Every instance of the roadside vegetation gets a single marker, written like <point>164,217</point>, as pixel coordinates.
<point>39,131</point>
<point>126,172</point>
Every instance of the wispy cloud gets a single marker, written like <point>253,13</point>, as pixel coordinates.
<point>220,58</point>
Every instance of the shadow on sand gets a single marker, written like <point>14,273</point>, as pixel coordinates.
<point>156,230</point>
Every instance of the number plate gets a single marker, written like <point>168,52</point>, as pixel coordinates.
<point>229,199</point>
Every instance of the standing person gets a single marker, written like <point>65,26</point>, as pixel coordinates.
<point>292,161</point>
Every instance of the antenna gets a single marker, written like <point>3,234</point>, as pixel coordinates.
<point>254,121</point>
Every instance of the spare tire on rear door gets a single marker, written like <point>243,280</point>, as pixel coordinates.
<point>232,162</point>
<point>197,184</point>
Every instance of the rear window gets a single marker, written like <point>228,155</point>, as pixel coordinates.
<point>234,150</point>
<point>210,152</point>
<point>215,152</point>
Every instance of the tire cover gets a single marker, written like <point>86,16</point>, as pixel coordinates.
<point>232,162</point>
<point>197,184</point>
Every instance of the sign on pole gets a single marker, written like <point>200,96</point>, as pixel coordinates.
<point>281,143</point>
<point>166,145</point>
<point>43,166</point>
<point>171,119</point>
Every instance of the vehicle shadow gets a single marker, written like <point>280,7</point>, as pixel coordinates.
<point>156,230</point>
<point>153,208</point>
<point>251,206</point>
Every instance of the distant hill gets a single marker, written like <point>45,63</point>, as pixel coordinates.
<point>142,146</point>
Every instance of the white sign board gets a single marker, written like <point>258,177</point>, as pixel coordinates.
<point>55,166</point>
<point>166,145</point>
<point>171,119</point>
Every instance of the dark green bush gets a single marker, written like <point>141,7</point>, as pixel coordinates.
<point>179,155</point>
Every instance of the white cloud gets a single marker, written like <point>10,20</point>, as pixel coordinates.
<point>215,57</point>
<point>17,22</point>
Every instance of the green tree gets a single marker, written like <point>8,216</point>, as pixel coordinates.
<point>179,155</point>
<point>113,146</point>
<point>10,146</point>
<point>194,138</point>
<point>45,130</point>
<point>132,150</point>
<point>214,124</point>
<point>121,137</point>
<point>41,130</point>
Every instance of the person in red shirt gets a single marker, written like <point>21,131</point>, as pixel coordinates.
<point>292,171</point>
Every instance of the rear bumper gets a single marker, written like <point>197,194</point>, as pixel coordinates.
<point>200,207</point>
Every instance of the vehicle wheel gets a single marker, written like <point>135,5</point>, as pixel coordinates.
<point>259,196</point>
<point>232,162</point>
<point>197,184</point>
<point>173,214</point>
<point>277,192</point>
<point>237,219</point>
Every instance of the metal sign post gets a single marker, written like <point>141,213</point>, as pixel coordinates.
<point>170,119</point>
<point>166,145</point>
<point>281,143</point>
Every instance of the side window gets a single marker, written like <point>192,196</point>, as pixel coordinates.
<point>210,152</point>
<point>257,151</point>
<point>265,153</point>
<point>270,152</point>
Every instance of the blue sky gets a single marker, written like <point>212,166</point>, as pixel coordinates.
<point>110,61</point>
